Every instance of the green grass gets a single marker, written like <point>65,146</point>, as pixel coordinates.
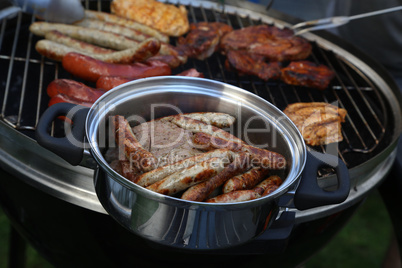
<point>363,242</point>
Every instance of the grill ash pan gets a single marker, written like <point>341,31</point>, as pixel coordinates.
<point>172,221</point>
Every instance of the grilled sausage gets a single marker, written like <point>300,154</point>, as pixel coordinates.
<point>128,171</point>
<point>92,36</point>
<point>261,157</point>
<point>112,27</point>
<point>220,120</point>
<point>91,69</point>
<point>132,34</point>
<point>141,52</point>
<point>79,45</point>
<point>109,82</point>
<point>270,189</point>
<point>235,196</point>
<point>60,98</point>
<point>201,191</point>
<point>107,17</point>
<point>197,126</point>
<point>187,177</point>
<point>246,180</point>
<point>140,158</point>
<point>158,174</point>
<point>74,90</point>
<point>267,186</point>
<point>99,37</point>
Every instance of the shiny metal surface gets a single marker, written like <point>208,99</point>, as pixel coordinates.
<point>20,155</point>
<point>173,221</point>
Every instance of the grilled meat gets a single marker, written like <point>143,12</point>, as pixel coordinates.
<point>252,64</point>
<point>166,18</point>
<point>318,122</point>
<point>166,141</point>
<point>269,41</point>
<point>308,74</point>
<point>203,39</point>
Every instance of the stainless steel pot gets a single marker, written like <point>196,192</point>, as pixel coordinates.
<point>173,221</point>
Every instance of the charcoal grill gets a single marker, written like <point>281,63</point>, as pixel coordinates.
<point>361,86</point>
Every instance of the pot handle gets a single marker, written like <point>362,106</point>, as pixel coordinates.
<point>309,194</point>
<point>71,146</point>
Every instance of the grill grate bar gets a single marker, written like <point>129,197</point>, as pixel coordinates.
<point>355,105</point>
<point>10,70</point>
<point>341,104</point>
<point>376,139</point>
<point>351,89</point>
<point>364,99</point>
<point>24,80</point>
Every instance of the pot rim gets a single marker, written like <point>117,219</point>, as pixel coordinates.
<point>211,87</point>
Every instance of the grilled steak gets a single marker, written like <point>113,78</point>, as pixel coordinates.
<point>252,64</point>
<point>203,39</point>
<point>269,41</point>
<point>166,141</point>
<point>308,74</point>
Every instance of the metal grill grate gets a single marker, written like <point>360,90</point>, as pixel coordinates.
<point>25,75</point>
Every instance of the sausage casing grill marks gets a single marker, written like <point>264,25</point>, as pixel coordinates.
<point>134,152</point>
<point>107,17</point>
<point>91,69</point>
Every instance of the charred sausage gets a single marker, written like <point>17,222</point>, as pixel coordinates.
<point>235,196</point>
<point>201,191</point>
<point>246,180</point>
<point>261,157</point>
<point>126,141</point>
<point>91,69</point>
<point>74,89</point>
<point>267,186</point>
<point>109,82</point>
<point>160,173</point>
<point>187,177</point>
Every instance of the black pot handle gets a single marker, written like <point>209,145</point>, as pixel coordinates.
<point>309,194</point>
<point>71,146</point>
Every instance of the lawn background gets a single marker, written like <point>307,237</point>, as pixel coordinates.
<point>363,242</point>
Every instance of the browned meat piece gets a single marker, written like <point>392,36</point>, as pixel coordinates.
<point>252,64</point>
<point>318,122</point>
<point>203,39</point>
<point>308,74</point>
<point>166,18</point>
<point>166,141</point>
<point>269,41</point>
